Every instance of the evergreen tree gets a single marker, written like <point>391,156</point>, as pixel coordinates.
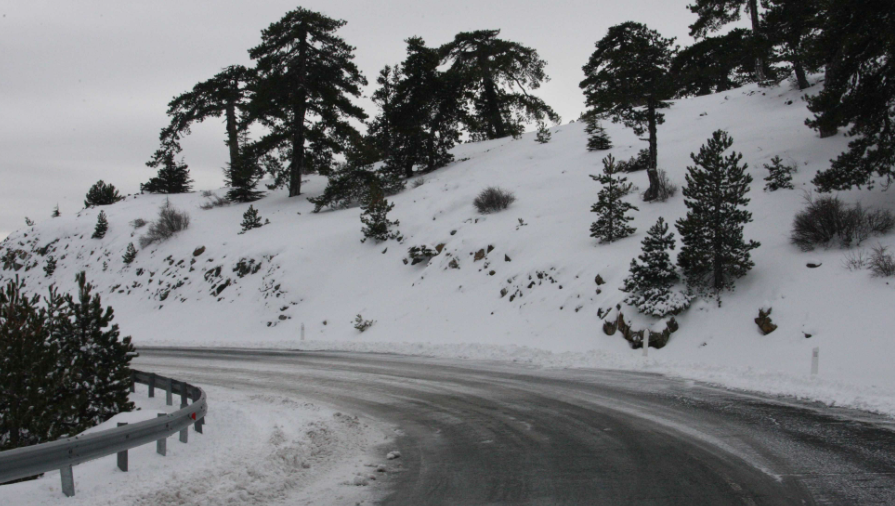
<point>779,177</point>
<point>102,194</point>
<point>858,44</point>
<point>543,135</point>
<point>305,78</point>
<point>714,14</point>
<point>651,279</point>
<point>30,372</point>
<point>628,79</point>
<point>597,138</point>
<point>50,267</point>
<point>29,222</point>
<point>99,373</point>
<point>251,220</point>
<point>715,254</point>
<point>611,224</point>
<point>790,27</point>
<point>226,94</point>
<point>714,64</point>
<point>56,212</point>
<point>351,184</point>
<point>172,177</point>
<point>497,75</point>
<point>381,129</point>
<point>375,216</point>
<point>102,226</point>
<point>130,254</point>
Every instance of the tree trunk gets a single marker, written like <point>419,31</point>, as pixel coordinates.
<point>760,74</point>
<point>652,171</point>
<point>232,138</point>
<point>495,120</point>
<point>826,122</point>
<point>800,74</point>
<point>299,109</point>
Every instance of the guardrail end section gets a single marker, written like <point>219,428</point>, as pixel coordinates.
<point>68,481</point>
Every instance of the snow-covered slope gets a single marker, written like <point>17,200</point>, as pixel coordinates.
<point>312,269</point>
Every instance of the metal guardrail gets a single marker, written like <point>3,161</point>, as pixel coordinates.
<point>65,453</point>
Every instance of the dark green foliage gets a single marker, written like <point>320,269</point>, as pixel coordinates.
<point>63,367</point>
<point>420,254</point>
<point>351,184</point>
<point>635,163</point>
<point>102,194</point>
<point>714,64</point>
<point>251,220</point>
<point>611,224</point>
<point>102,226</point>
<point>130,254</point>
<point>715,254</point>
<point>789,27</point>
<point>50,267</point>
<point>715,14</point>
<point>375,216</point>
<point>597,138</point>
<point>172,177</point>
<point>780,176</point>
<point>858,44</point>
<point>651,279</point>
<point>543,135</point>
<point>305,76</point>
<point>56,212</point>
<point>496,75</point>
<point>628,78</point>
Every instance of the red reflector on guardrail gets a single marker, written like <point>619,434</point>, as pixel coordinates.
<point>193,416</point>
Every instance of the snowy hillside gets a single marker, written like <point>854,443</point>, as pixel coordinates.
<point>210,286</point>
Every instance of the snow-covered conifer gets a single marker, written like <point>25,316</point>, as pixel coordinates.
<point>375,216</point>
<point>102,226</point>
<point>779,177</point>
<point>611,224</point>
<point>652,275</point>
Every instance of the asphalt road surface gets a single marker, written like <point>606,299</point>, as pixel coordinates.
<point>474,433</point>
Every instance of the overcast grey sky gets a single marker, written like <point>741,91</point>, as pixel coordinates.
<point>84,83</point>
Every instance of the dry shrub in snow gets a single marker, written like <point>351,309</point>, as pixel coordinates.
<point>666,189</point>
<point>169,222</point>
<point>493,199</point>
<point>138,223</point>
<point>882,264</point>
<point>827,220</point>
<point>213,201</point>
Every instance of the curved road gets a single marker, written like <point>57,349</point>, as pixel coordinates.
<point>474,433</point>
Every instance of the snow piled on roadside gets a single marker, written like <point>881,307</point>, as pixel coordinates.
<point>210,286</point>
<point>256,449</point>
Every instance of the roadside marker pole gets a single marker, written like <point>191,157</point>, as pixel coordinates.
<point>645,343</point>
<point>68,481</point>
<point>302,331</point>
<point>815,361</point>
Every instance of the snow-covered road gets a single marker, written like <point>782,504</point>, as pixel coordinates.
<point>474,433</point>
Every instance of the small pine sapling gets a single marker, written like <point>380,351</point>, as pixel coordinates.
<point>29,222</point>
<point>130,255</point>
<point>375,217</point>
<point>780,176</point>
<point>652,276</point>
<point>50,267</point>
<point>611,223</point>
<point>597,138</point>
<point>251,219</point>
<point>714,253</point>
<point>543,136</point>
<point>361,324</point>
<point>102,194</point>
<point>56,212</point>
<point>102,225</point>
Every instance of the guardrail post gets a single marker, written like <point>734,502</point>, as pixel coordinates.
<point>184,395</point>
<point>152,385</point>
<point>133,382</point>
<point>68,481</point>
<point>169,387</point>
<point>185,434</point>
<point>198,425</point>
<point>161,446</point>
<point>122,456</point>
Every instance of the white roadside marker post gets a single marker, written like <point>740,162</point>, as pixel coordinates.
<point>302,331</point>
<point>815,361</point>
<point>645,343</point>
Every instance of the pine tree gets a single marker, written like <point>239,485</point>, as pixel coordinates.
<point>857,44</point>
<point>491,70</point>
<point>305,76</point>
<point>714,64</point>
<point>714,14</point>
<point>243,178</point>
<point>251,220</point>
<point>780,176</point>
<point>102,226</point>
<point>31,369</point>
<point>100,374</point>
<point>173,177</point>
<point>597,138</point>
<point>56,212</point>
<point>29,222</point>
<point>130,254</point>
<point>790,26</point>
<point>375,216</point>
<point>714,253</point>
<point>50,267</point>
<point>543,135</point>
<point>628,78</point>
<point>102,194</point>
<point>650,281</point>
<point>611,223</point>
